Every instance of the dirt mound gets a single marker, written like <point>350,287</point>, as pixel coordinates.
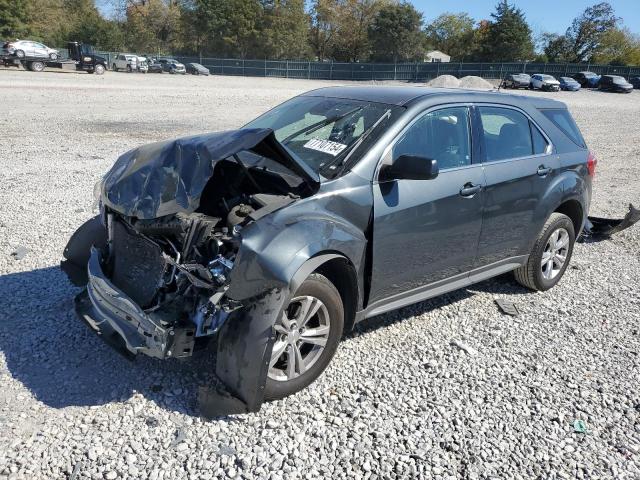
<point>474,82</point>
<point>445,81</point>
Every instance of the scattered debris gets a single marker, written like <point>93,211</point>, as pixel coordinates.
<point>507,307</point>
<point>598,228</point>
<point>464,347</point>
<point>579,426</point>
<point>227,450</point>
<point>20,252</point>
<point>152,422</point>
<point>181,436</point>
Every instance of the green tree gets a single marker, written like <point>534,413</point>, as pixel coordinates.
<point>618,46</point>
<point>396,34</point>
<point>285,29</point>
<point>14,16</point>
<point>556,48</point>
<point>452,33</point>
<point>324,26</point>
<point>152,26</point>
<point>587,31</point>
<point>509,37</point>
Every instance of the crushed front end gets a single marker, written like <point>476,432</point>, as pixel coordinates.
<point>159,285</point>
<point>157,263</point>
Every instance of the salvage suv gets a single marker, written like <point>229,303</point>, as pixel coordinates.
<point>270,242</point>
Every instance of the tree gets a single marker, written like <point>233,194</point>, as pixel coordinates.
<point>618,47</point>
<point>324,25</point>
<point>509,37</point>
<point>152,25</point>
<point>396,34</point>
<point>586,31</point>
<point>452,33</point>
<point>556,48</point>
<point>285,29</point>
<point>13,18</point>
<point>340,28</point>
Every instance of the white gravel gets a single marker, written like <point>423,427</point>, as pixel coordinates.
<point>446,389</point>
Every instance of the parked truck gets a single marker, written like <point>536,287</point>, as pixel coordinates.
<point>81,57</point>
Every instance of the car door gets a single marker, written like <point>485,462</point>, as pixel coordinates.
<point>519,167</point>
<point>425,231</point>
<point>39,50</point>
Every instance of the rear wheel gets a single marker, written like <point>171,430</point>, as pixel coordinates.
<point>307,336</point>
<point>550,255</point>
<point>36,66</point>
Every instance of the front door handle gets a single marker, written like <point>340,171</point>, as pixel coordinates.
<point>542,170</point>
<point>469,189</point>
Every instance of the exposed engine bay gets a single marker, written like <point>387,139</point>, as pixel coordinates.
<point>176,268</point>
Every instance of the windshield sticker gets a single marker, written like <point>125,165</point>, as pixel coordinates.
<point>325,146</point>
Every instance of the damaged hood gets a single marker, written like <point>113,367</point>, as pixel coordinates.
<point>165,178</point>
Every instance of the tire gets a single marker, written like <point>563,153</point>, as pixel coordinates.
<point>53,56</point>
<point>19,53</point>
<point>36,66</point>
<point>99,69</point>
<point>115,69</point>
<point>129,69</point>
<point>536,275</point>
<point>330,312</point>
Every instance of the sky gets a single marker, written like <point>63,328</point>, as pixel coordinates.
<point>542,15</point>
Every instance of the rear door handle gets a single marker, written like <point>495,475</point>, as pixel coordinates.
<point>469,189</point>
<point>542,170</point>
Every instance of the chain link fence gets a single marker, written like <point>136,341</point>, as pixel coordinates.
<point>411,72</point>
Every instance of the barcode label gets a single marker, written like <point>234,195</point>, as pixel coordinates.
<point>325,146</point>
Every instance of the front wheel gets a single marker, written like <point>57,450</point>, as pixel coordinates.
<point>20,53</point>
<point>99,69</point>
<point>53,56</point>
<point>307,336</point>
<point>114,68</point>
<point>550,255</point>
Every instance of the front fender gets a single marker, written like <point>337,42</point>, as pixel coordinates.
<point>273,251</point>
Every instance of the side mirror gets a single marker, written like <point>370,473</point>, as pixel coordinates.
<point>410,167</point>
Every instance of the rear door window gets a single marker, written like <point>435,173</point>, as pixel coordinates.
<point>507,133</point>
<point>563,120</point>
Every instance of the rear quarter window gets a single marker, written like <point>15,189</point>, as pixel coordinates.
<point>564,121</point>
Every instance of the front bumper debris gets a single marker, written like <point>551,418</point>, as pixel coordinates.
<point>120,322</point>
<point>602,228</point>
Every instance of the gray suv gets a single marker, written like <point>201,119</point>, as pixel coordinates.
<point>268,243</point>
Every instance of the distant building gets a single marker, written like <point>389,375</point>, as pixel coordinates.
<point>437,56</point>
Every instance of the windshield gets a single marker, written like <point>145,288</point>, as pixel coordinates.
<point>547,77</point>
<point>322,131</point>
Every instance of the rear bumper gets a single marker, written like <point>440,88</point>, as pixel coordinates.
<point>120,322</point>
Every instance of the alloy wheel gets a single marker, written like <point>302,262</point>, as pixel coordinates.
<point>555,254</point>
<point>302,333</point>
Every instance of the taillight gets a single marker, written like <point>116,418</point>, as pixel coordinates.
<point>592,161</point>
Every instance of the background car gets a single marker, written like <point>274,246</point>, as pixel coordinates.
<point>27,48</point>
<point>615,83</point>
<point>544,82</point>
<point>569,84</point>
<point>197,69</point>
<point>635,81</point>
<point>125,61</point>
<point>516,80</point>
<point>172,66</point>
<point>587,79</point>
<point>143,66</point>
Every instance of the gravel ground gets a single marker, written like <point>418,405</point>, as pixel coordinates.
<point>448,388</point>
